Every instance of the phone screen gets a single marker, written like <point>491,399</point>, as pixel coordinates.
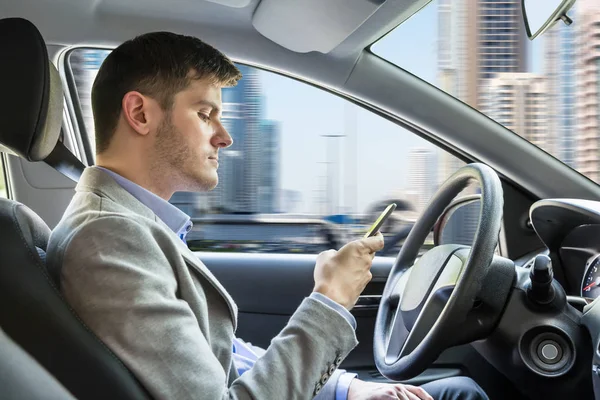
<point>379,222</point>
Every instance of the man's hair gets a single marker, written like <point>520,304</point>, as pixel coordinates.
<point>158,65</point>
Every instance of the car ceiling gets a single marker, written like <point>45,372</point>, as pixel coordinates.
<point>293,24</point>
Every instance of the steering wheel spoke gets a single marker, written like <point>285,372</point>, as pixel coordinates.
<point>396,338</point>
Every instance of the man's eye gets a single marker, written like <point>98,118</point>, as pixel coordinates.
<point>204,117</point>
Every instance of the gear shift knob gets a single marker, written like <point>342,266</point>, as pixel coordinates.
<point>541,291</point>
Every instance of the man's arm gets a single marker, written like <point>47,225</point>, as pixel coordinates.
<point>245,355</point>
<point>122,284</point>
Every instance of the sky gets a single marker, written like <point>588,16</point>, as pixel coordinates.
<point>383,147</point>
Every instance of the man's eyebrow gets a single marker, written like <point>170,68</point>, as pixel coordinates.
<point>214,106</point>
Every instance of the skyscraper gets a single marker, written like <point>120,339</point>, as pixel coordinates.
<point>270,168</point>
<point>519,101</point>
<point>587,64</point>
<point>452,23</point>
<point>486,37</point>
<point>239,171</point>
<point>350,158</point>
<point>500,43</point>
<point>422,165</point>
<point>476,40</point>
<point>559,69</point>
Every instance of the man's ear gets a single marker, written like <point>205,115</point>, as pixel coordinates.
<point>135,110</point>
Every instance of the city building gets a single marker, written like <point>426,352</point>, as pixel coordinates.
<point>477,39</point>
<point>587,67</point>
<point>239,166</point>
<point>422,175</point>
<point>452,55</point>
<point>559,69</point>
<point>350,157</point>
<point>249,170</point>
<point>519,101</point>
<point>270,168</point>
<point>496,43</point>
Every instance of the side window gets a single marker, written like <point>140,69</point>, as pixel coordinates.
<point>307,171</point>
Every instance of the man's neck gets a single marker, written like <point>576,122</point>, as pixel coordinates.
<point>136,173</point>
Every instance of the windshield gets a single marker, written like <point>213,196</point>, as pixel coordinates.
<point>546,90</point>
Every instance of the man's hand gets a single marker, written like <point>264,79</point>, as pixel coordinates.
<point>342,275</point>
<point>361,390</point>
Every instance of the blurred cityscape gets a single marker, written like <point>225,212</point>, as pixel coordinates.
<point>482,59</point>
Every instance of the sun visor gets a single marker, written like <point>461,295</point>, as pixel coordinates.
<point>311,25</point>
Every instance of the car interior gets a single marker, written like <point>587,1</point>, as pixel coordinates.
<point>514,307</point>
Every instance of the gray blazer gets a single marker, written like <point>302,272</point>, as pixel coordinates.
<point>161,311</point>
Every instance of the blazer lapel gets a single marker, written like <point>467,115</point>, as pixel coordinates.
<point>194,262</point>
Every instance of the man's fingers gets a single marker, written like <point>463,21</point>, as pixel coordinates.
<point>374,243</point>
<point>402,393</point>
<point>402,396</point>
<point>419,392</point>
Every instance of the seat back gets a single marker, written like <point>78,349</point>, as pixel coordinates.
<point>18,371</point>
<point>33,312</point>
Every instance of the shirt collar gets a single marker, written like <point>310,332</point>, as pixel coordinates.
<point>173,217</point>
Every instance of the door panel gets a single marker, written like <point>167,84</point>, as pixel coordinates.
<point>277,283</point>
<point>269,288</point>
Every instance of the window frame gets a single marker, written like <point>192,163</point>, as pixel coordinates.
<point>74,109</point>
<point>4,175</point>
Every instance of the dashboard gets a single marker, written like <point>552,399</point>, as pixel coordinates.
<point>591,279</point>
<point>570,229</point>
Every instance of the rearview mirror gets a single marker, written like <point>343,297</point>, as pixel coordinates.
<point>541,15</point>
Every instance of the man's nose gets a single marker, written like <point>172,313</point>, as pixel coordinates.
<point>222,139</point>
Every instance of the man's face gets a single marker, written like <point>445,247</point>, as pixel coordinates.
<point>190,136</point>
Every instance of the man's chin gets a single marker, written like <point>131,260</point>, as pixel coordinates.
<point>212,185</point>
<point>207,183</point>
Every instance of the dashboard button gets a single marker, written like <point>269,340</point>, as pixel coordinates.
<point>549,352</point>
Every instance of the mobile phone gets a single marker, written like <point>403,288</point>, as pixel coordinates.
<point>379,222</point>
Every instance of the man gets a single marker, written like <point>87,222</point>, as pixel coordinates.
<point>122,263</point>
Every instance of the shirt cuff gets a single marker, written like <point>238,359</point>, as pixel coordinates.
<point>336,307</point>
<point>343,385</point>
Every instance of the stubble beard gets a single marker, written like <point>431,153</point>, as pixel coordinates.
<point>175,161</point>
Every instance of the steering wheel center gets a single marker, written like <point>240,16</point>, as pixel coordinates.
<point>437,269</point>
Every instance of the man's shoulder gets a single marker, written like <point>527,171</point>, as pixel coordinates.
<point>95,228</point>
<point>93,218</point>
<point>87,210</point>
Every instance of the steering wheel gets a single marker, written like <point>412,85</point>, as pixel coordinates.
<point>426,309</point>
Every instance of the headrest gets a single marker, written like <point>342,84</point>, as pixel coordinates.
<point>31,104</point>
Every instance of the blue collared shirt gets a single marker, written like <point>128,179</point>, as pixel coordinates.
<point>244,354</point>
